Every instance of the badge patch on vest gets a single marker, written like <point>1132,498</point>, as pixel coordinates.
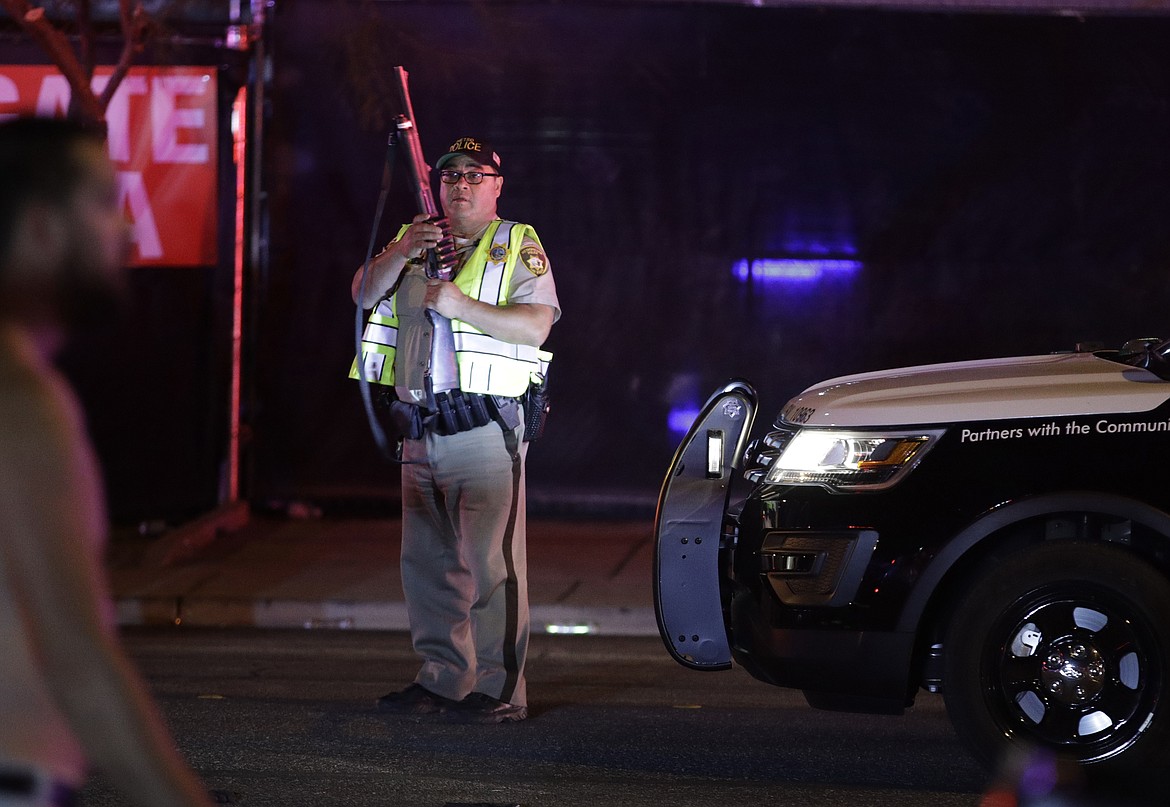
<point>534,260</point>
<point>498,253</point>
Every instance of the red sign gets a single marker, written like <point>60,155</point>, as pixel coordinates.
<point>162,139</point>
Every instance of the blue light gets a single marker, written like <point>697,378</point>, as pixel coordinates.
<point>681,417</point>
<point>793,270</point>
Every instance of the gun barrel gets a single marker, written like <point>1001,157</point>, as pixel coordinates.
<point>408,137</point>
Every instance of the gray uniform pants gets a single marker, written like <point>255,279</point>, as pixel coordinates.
<point>464,562</point>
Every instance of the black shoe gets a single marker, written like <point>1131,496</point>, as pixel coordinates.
<point>414,700</point>
<point>480,708</point>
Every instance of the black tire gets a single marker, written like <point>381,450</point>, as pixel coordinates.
<point>1064,647</point>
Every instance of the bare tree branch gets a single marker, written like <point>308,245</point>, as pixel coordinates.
<point>135,24</point>
<point>86,33</point>
<point>84,103</point>
<point>33,21</point>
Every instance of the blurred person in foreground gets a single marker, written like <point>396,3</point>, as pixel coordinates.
<point>68,694</point>
<point>1029,776</point>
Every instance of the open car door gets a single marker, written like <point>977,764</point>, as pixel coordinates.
<point>688,526</point>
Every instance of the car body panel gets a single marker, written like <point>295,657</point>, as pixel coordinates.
<point>1052,385</point>
<point>841,593</point>
<point>688,527</point>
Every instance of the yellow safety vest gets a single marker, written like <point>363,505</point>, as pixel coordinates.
<point>486,365</point>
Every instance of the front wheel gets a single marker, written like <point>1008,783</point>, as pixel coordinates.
<point>1064,647</point>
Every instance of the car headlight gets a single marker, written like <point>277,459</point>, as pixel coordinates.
<point>849,460</point>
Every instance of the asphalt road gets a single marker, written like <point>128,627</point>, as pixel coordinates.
<point>286,718</point>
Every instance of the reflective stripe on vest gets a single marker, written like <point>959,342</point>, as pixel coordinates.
<point>379,342</point>
<point>486,365</point>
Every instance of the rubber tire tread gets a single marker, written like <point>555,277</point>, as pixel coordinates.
<point>1008,579</point>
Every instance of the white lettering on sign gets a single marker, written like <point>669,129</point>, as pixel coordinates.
<point>118,113</point>
<point>9,94</point>
<point>167,118</point>
<point>162,135</point>
<point>53,99</point>
<point>132,197</point>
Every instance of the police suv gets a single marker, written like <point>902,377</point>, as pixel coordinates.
<point>998,531</point>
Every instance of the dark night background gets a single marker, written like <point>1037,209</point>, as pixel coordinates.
<point>997,184</point>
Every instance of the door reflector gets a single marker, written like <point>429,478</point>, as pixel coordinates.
<point>714,453</point>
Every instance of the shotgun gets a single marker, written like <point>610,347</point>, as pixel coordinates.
<point>440,260</point>
<point>442,373</point>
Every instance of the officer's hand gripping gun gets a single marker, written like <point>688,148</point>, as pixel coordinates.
<point>440,260</point>
<point>443,374</point>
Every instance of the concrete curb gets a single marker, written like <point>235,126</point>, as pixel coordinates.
<point>338,615</point>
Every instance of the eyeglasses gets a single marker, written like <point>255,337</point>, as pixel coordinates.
<point>472,177</point>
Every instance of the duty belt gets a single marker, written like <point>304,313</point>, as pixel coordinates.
<point>457,411</point>
<point>451,412</point>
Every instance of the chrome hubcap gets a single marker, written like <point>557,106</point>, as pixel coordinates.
<point>1073,672</point>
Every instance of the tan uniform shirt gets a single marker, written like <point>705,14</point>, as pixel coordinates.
<point>532,282</point>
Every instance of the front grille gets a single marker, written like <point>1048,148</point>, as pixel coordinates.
<point>762,453</point>
<point>810,564</point>
<point>816,568</point>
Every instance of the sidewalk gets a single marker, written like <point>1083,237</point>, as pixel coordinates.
<point>584,576</point>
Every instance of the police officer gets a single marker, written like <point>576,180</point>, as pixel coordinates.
<point>464,567</point>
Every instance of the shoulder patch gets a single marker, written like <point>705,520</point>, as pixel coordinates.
<point>534,260</point>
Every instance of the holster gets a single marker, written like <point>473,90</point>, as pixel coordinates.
<point>507,411</point>
<point>536,408</point>
<point>407,419</point>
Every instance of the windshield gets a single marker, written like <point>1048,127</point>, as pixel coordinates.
<point>1149,353</point>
